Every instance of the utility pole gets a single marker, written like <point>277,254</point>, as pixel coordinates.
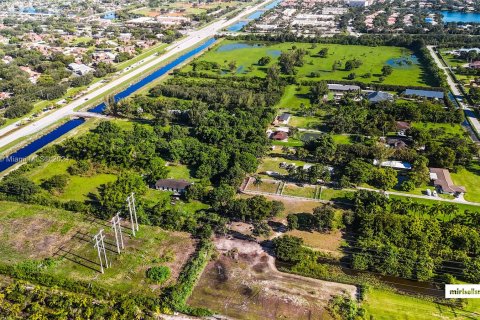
<point>117,227</point>
<point>100,245</point>
<point>133,212</point>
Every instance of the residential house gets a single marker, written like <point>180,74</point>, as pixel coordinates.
<point>474,65</point>
<point>379,96</point>
<point>402,128</point>
<point>401,165</point>
<point>176,186</point>
<point>443,182</point>
<point>284,118</point>
<point>279,136</point>
<point>80,68</point>
<point>32,75</point>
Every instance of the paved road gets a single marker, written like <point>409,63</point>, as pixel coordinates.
<point>469,113</point>
<point>12,133</point>
<point>409,195</point>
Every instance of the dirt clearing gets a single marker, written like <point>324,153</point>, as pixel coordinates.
<point>243,283</point>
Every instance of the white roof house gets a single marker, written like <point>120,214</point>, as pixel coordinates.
<point>80,68</point>
<point>394,164</point>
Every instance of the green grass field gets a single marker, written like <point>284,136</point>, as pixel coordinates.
<point>470,179</point>
<point>297,191</point>
<point>448,129</point>
<point>386,305</point>
<point>247,54</point>
<point>32,232</point>
<point>78,187</point>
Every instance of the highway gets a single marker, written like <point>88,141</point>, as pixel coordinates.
<point>469,112</point>
<point>12,132</point>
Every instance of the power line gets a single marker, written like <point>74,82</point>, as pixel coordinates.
<point>100,246</point>
<point>117,227</point>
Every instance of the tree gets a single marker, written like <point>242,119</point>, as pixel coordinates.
<point>261,229</point>
<point>232,66</point>
<point>420,173</point>
<point>263,61</point>
<point>257,181</point>
<point>219,197</point>
<point>114,194</point>
<point>385,178</point>
<point>57,182</point>
<point>386,70</point>
<point>19,187</point>
<point>155,170</point>
<point>292,221</point>
<point>358,171</point>
<point>344,308</point>
<point>318,91</point>
<point>352,76</point>
<point>322,148</point>
<point>323,53</point>
<point>288,248</point>
<point>324,218</point>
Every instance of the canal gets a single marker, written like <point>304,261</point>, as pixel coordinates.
<point>23,153</point>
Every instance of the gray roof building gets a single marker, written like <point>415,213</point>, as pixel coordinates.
<point>425,93</point>
<point>379,96</point>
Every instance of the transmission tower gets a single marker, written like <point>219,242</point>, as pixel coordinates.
<point>133,212</point>
<point>117,227</point>
<point>100,245</point>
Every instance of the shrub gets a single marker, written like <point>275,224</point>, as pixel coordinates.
<point>158,274</point>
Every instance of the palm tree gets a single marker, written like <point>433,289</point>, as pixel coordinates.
<point>257,181</point>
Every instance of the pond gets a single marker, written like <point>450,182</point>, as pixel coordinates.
<point>404,62</point>
<point>457,16</point>
<point>274,53</point>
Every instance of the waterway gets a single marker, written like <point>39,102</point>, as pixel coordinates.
<point>457,16</point>
<point>155,75</point>
<point>23,153</point>
<point>254,16</point>
<point>26,151</point>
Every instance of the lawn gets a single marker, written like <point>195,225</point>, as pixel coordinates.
<point>294,97</point>
<point>268,186</point>
<point>32,232</point>
<point>297,191</point>
<point>470,179</point>
<point>273,164</point>
<point>326,242</point>
<point>78,187</point>
<point>448,129</point>
<point>247,54</point>
<point>388,305</point>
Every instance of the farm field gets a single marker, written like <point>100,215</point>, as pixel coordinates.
<point>66,237</point>
<point>246,55</point>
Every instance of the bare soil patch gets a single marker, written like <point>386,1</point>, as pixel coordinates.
<point>243,283</point>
